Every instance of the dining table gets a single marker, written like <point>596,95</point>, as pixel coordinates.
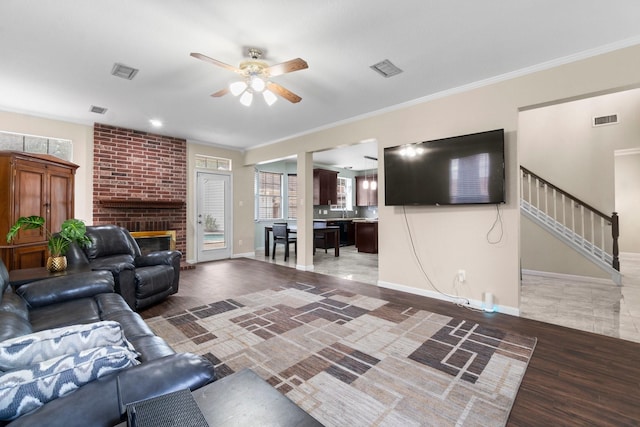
<point>326,231</point>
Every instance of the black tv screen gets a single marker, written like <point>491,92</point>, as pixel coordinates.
<point>460,170</point>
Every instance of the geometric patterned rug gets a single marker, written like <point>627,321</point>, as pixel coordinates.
<point>353,360</point>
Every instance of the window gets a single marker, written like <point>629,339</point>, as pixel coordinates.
<point>215,163</point>
<point>292,196</point>
<point>345,198</point>
<point>61,148</point>
<point>268,195</point>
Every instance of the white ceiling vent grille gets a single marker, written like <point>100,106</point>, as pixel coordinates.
<point>124,71</point>
<point>97,110</point>
<point>611,119</point>
<point>386,68</point>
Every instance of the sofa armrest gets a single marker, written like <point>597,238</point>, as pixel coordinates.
<point>165,375</point>
<point>159,258</point>
<point>123,275</point>
<point>66,288</point>
<point>101,402</point>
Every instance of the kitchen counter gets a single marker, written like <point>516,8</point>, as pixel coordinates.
<point>367,235</point>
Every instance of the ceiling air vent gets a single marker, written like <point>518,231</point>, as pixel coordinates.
<point>123,71</point>
<point>386,68</point>
<point>605,120</point>
<point>97,110</point>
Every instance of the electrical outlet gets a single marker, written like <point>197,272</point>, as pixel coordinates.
<point>462,276</point>
<point>240,242</point>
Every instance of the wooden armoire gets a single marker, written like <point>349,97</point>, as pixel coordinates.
<point>33,184</point>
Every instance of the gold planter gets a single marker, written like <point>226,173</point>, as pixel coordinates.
<point>58,263</point>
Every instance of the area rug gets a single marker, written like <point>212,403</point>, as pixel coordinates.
<point>353,360</point>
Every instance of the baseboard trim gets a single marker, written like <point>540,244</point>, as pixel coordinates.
<point>244,255</point>
<point>634,256</point>
<point>473,304</point>
<point>304,267</point>
<point>569,277</point>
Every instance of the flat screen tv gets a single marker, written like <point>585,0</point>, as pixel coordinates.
<point>460,170</point>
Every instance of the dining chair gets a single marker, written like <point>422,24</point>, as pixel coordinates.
<point>281,235</point>
<point>319,236</point>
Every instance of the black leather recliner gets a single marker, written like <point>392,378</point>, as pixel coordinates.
<point>142,280</point>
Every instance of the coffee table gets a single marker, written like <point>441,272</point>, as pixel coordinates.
<point>22,276</point>
<point>245,399</point>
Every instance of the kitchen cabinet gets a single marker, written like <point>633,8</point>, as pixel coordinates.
<point>33,184</point>
<point>367,236</point>
<point>325,187</point>
<point>366,196</point>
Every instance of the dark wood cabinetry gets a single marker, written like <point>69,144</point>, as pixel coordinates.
<point>366,196</point>
<point>33,184</point>
<point>325,187</point>
<point>367,236</point>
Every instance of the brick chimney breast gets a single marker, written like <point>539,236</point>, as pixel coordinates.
<point>140,181</point>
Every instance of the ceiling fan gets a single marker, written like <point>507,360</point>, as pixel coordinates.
<point>256,76</point>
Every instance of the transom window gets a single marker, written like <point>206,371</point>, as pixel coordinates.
<point>61,148</point>
<point>214,163</point>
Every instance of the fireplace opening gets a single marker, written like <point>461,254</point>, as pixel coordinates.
<point>151,241</point>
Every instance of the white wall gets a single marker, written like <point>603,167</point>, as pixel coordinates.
<point>447,239</point>
<point>543,252</point>
<point>627,164</point>
<point>82,140</point>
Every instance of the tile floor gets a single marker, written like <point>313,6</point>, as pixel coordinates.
<point>351,264</point>
<point>587,305</point>
<point>592,306</point>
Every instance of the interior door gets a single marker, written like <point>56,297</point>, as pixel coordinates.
<point>213,216</point>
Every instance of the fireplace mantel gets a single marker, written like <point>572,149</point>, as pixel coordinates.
<point>141,204</point>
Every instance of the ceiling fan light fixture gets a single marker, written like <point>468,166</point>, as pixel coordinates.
<point>269,97</point>
<point>237,88</point>
<point>246,99</point>
<point>257,83</point>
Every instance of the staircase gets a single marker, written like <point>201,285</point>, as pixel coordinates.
<point>590,232</point>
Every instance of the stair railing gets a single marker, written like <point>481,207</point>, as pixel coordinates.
<point>576,220</point>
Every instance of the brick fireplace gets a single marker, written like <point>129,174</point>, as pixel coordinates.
<point>140,181</point>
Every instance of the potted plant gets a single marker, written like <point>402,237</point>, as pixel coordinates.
<point>210,223</point>
<point>72,230</point>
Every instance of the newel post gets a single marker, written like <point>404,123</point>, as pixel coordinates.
<point>615,233</point>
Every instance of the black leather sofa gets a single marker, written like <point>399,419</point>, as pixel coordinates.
<point>142,280</point>
<point>86,298</point>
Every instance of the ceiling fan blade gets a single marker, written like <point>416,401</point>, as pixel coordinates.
<point>216,62</point>
<point>221,92</point>
<point>288,67</point>
<point>285,93</point>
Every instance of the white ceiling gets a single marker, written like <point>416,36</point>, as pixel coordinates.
<point>56,56</point>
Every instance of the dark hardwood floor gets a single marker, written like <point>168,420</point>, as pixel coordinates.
<point>575,378</point>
